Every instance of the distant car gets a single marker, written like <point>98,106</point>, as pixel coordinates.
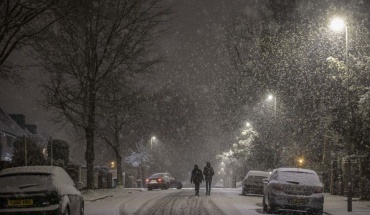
<point>219,185</point>
<point>39,189</point>
<point>252,183</point>
<point>162,181</point>
<point>293,189</point>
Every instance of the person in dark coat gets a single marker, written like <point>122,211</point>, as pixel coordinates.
<point>208,174</point>
<point>196,178</point>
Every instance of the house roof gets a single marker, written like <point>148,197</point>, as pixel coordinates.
<point>9,127</point>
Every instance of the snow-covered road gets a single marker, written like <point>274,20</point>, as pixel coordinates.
<point>121,201</point>
<point>222,201</point>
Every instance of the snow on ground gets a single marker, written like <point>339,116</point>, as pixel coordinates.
<point>337,205</point>
<point>222,201</point>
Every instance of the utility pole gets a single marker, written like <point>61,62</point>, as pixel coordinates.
<point>51,151</point>
<point>25,150</point>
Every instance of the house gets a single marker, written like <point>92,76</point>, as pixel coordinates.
<point>12,126</point>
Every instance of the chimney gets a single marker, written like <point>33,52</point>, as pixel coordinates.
<point>20,119</point>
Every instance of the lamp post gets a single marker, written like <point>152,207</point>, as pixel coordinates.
<point>338,24</point>
<point>151,141</point>
<point>271,97</point>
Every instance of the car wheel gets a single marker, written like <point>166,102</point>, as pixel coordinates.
<point>66,211</point>
<point>149,188</point>
<point>167,186</point>
<point>179,186</point>
<point>264,206</point>
<point>82,209</point>
<point>315,212</point>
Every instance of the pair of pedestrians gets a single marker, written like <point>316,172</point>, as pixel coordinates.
<point>197,178</point>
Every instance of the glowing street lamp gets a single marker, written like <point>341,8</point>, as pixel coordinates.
<point>112,164</point>
<point>151,141</point>
<point>300,161</point>
<point>338,24</point>
<point>271,97</point>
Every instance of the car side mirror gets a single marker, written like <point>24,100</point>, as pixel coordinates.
<point>79,185</point>
<point>265,180</point>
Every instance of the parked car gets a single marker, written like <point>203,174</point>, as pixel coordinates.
<point>39,189</point>
<point>252,183</point>
<point>293,189</point>
<point>219,185</point>
<point>162,181</point>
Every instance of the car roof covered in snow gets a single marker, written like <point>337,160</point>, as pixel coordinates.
<point>285,169</point>
<point>257,173</point>
<point>59,179</point>
<point>32,169</point>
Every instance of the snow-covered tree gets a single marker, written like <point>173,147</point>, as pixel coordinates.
<point>140,158</point>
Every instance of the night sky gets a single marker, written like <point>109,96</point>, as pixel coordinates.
<point>195,65</point>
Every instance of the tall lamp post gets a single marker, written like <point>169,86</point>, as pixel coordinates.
<point>337,24</point>
<point>271,97</point>
<point>151,141</point>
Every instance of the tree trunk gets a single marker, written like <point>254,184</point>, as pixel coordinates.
<point>90,152</point>
<point>119,169</point>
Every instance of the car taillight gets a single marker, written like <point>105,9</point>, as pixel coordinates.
<point>318,190</point>
<point>159,180</point>
<point>147,180</point>
<point>277,186</point>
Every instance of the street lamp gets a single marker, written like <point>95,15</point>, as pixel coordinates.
<point>271,97</point>
<point>151,141</point>
<point>338,24</point>
<point>300,162</point>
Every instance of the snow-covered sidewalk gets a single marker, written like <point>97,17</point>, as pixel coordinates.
<point>337,205</point>
<point>97,194</point>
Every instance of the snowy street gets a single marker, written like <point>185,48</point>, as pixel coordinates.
<point>173,201</point>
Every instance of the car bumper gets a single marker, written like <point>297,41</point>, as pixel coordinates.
<point>155,185</point>
<point>314,202</point>
<point>253,189</point>
<point>49,210</point>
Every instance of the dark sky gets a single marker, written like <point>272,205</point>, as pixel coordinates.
<point>195,65</point>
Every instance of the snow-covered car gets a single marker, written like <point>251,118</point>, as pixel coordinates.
<point>293,189</point>
<point>252,183</point>
<point>162,181</point>
<point>39,189</point>
<point>219,185</point>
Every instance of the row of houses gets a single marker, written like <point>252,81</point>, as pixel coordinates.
<point>13,126</point>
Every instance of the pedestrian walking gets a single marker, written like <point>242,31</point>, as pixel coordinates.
<point>196,178</point>
<point>208,174</point>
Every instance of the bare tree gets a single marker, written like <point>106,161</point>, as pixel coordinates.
<point>121,113</point>
<point>21,20</point>
<point>99,42</point>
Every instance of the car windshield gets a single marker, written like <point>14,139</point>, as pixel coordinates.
<point>158,175</point>
<point>256,178</point>
<point>303,178</point>
<point>23,181</point>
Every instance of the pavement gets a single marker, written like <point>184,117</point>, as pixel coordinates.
<point>337,205</point>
